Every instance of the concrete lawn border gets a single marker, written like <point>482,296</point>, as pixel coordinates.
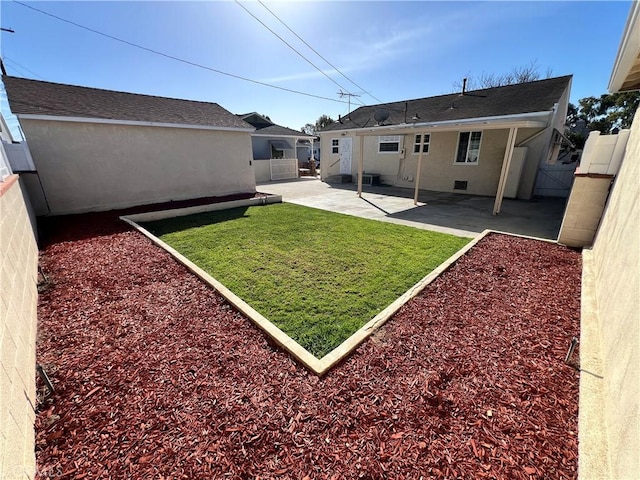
<point>211,207</point>
<point>318,366</point>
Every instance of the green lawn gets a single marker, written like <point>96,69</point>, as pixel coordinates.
<point>317,275</point>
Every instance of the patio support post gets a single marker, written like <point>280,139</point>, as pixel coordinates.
<point>506,163</point>
<point>360,165</point>
<point>419,171</point>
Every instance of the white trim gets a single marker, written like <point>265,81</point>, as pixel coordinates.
<point>55,118</point>
<point>628,51</point>
<point>275,136</point>
<point>421,144</point>
<point>336,146</point>
<point>396,139</point>
<point>504,172</point>
<point>521,120</point>
<point>455,158</point>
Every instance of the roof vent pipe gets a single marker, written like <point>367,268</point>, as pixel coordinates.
<point>464,86</point>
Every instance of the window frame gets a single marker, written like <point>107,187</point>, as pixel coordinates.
<point>416,144</point>
<point>388,140</point>
<point>466,156</point>
<point>335,146</point>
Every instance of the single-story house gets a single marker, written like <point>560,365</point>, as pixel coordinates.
<point>273,142</point>
<point>95,149</point>
<point>483,142</point>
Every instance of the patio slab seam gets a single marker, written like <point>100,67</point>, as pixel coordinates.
<point>318,366</point>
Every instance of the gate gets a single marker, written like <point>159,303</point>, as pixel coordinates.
<point>284,168</point>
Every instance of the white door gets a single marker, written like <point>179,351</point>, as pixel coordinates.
<point>345,155</point>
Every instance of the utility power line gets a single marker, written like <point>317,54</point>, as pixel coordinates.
<point>317,53</point>
<point>22,67</point>
<point>177,59</point>
<point>289,45</point>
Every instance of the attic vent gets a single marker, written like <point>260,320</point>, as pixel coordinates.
<point>460,185</point>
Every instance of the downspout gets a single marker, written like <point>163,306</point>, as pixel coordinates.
<point>506,163</point>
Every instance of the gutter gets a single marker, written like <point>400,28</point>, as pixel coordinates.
<point>522,120</point>
<point>627,52</point>
<point>108,121</point>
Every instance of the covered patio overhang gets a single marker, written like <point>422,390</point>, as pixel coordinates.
<point>511,122</point>
<point>626,70</point>
<point>286,142</point>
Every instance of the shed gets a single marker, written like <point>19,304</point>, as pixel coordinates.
<point>97,149</point>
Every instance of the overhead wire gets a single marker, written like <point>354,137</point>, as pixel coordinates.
<point>178,59</point>
<point>17,66</point>
<point>318,53</point>
<point>292,47</point>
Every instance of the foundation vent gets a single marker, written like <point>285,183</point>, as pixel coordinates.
<point>460,185</point>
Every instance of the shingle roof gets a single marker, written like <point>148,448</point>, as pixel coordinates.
<point>264,126</point>
<point>59,100</point>
<point>278,131</point>
<point>537,96</point>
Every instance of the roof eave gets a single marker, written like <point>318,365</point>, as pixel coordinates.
<point>521,120</point>
<point>56,118</point>
<point>625,75</point>
<point>302,135</point>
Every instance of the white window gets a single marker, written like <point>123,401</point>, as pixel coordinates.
<point>389,144</point>
<point>468,147</point>
<point>425,146</point>
<point>335,145</point>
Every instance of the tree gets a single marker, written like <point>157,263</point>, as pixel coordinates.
<point>605,114</point>
<point>522,74</point>
<point>609,111</point>
<point>321,122</point>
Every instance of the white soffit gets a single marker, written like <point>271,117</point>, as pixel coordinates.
<point>626,69</point>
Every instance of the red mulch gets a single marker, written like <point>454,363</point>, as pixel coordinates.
<point>158,377</point>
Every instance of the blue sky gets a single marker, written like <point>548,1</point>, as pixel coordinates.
<point>392,50</point>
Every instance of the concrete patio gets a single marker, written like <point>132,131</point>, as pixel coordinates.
<point>458,214</point>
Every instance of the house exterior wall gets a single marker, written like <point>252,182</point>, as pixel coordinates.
<point>439,170</point>
<point>616,265</point>
<point>92,167</point>
<point>260,147</point>
<point>539,148</point>
<point>262,169</point>
<point>18,322</point>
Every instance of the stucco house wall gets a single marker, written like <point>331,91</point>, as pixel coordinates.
<point>18,322</point>
<point>609,425</point>
<point>262,170</point>
<point>616,267</point>
<point>86,166</point>
<point>261,148</point>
